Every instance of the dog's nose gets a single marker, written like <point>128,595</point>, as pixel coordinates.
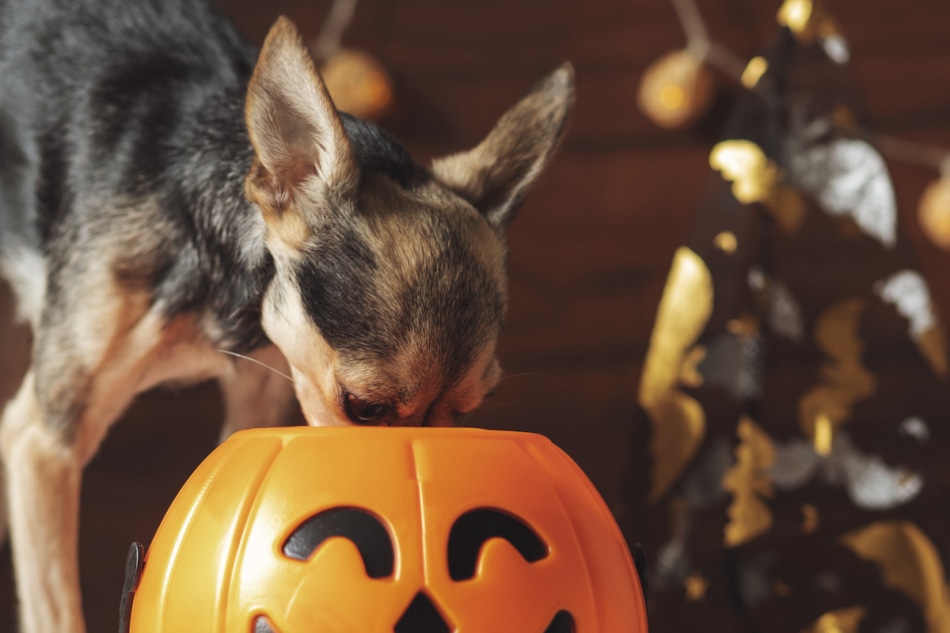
<point>421,616</point>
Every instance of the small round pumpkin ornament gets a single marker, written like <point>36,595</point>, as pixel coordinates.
<point>933,212</point>
<point>356,530</point>
<point>676,89</point>
<point>358,84</point>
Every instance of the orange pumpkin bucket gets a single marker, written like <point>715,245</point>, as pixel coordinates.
<point>395,530</point>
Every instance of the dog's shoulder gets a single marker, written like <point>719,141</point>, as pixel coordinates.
<point>124,119</point>
<point>112,90</point>
<point>105,32</point>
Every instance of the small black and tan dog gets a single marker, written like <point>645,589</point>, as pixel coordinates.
<point>168,198</point>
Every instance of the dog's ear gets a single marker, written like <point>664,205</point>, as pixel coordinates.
<point>495,175</point>
<point>301,149</point>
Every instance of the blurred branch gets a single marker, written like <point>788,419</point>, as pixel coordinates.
<point>717,56</point>
<point>697,37</point>
<point>334,26</point>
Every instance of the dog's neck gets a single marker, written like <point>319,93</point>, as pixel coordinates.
<point>224,269</point>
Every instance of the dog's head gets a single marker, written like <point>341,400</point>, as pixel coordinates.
<point>390,287</point>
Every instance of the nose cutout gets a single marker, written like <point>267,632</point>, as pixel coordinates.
<point>562,623</point>
<point>421,616</point>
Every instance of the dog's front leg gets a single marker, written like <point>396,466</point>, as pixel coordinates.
<point>43,477</point>
<point>68,400</point>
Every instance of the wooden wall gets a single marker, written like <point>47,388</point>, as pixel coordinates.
<point>591,248</point>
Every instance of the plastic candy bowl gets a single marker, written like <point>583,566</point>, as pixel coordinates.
<point>378,530</point>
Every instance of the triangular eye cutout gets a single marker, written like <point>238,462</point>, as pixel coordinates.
<point>475,527</point>
<point>263,625</point>
<point>367,532</point>
<point>563,622</point>
<point>421,616</point>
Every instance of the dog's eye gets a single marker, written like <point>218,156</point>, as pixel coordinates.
<point>362,411</point>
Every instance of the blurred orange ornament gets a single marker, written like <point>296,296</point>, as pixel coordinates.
<point>372,530</point>
<point>933,212</point>
<point>358,83</point>
<point>676,89</point>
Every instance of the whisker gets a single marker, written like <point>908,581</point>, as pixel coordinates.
<point>254,360</point>
<point>495,405</point>
<point>527,374</point>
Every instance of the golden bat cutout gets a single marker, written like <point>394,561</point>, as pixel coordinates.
<point>748,480</point>
<point>909,563</point>
<point>678,420</point>
<point>844,380</point>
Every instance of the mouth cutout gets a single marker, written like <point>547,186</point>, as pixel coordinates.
<point>468,535</point>
<point>421,616</point>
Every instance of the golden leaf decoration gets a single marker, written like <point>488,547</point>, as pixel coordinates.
<point>726,242</point>
<point>787,207</point>
<point>754,70</point>
<point>844,380</point>
<point>932,343</point>
<point>909,563</point>
<point>745,165</point>
<point>748,481</point>
<point>809,22</point>
<point>678,420</point>
<point>756,178</point>
<point>745,325</point>
<point>696,586</point>
<point>838,621</point>
<point>823,435</point>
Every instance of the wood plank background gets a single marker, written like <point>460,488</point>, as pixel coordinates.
<point>591,249</point>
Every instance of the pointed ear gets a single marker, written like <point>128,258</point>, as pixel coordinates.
<point>495,175</point>
<point>299,143</point>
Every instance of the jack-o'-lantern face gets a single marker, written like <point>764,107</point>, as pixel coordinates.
<point>388,530</point>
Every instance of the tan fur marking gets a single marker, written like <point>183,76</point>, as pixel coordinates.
<point>312,362</point>
<point>320,375</point>
<point>404,247</point>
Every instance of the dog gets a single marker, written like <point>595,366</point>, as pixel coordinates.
<point>171,198</point>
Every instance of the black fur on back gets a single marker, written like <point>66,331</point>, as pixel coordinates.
<point>377,151</point>
<point>124,120</point>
